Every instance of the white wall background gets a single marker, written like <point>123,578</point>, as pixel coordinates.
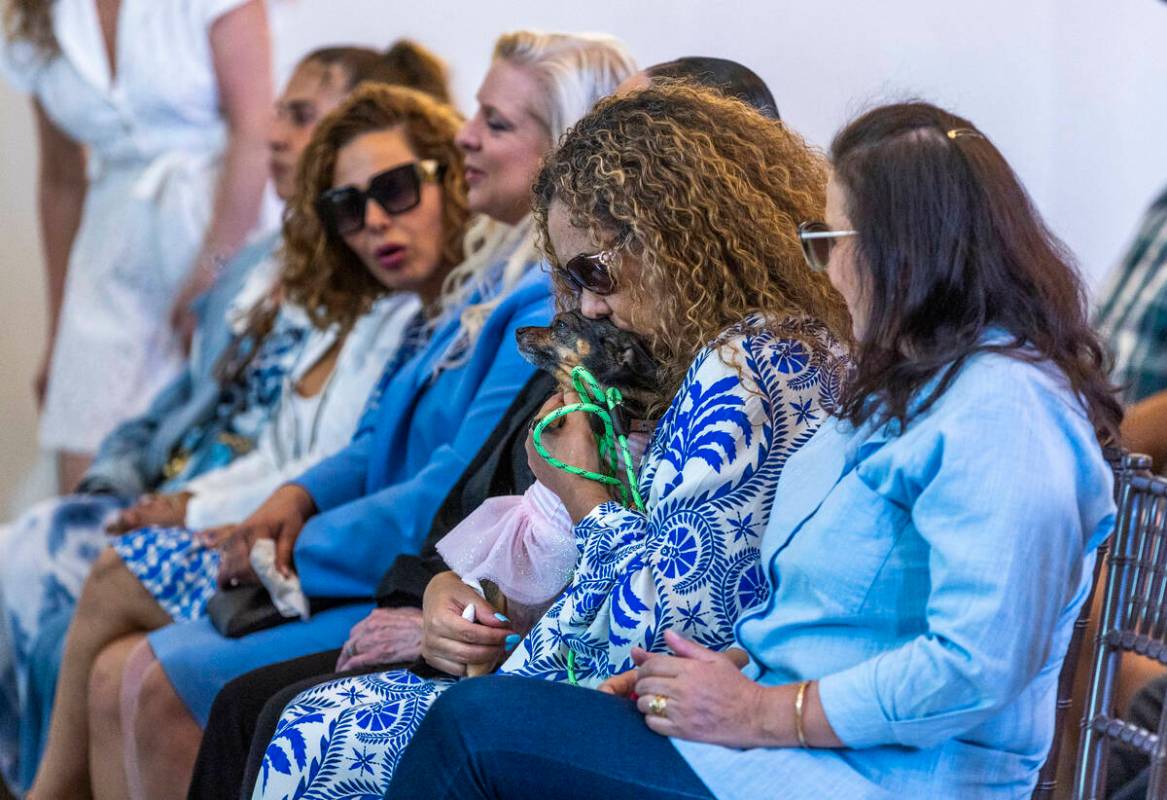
<point>1073,91</point>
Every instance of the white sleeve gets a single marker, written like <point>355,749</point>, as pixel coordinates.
<point>229,494</point>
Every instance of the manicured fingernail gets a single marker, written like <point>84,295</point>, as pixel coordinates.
<point>512,640</point>
<point>501,617</point>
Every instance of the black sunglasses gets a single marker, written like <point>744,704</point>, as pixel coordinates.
<point>591,272</point>
<point>397,190</point>
<point>817,242</point>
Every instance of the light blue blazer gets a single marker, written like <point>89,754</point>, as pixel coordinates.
<point>929,579</point>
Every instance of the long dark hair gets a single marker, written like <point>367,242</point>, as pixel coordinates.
<point>950,246</point>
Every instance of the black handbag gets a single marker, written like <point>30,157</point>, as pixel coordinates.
<point>242,610</point>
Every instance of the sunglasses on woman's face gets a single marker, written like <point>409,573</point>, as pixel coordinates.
<point>817,242</point>
<point>396,190</point>
<point>591,272</point>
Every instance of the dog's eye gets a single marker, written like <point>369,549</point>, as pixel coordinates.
<point>560,327</point>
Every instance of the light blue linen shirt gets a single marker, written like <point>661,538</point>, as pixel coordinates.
<point>929,579</point>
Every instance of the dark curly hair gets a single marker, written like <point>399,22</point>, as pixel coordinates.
<point>320,272</point>
<point>950,247</point>
<point>708,194</point>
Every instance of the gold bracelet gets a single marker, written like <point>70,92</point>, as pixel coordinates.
<point>798,701</point>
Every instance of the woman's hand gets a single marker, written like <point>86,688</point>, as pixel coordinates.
<point>163,510</point>
<point>706,696</point>
<point>570,439</point>
<point>386,636</point>
<point>622,685</point>
<point>451,643</point>
<point>234,555</point>
<point>280,518</point>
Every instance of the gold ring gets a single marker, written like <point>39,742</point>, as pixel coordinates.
<point>657,705</point>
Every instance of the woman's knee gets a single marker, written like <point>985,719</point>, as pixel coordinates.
<point>106,579</point>
<point>105,681</point>
<point>470,708</point>
<point>159,705</point>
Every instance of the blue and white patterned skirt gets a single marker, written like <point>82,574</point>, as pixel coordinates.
<point>181,573</point>
<point>344,738</point>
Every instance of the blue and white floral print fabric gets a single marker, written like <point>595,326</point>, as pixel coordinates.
<point>691,562</point>
<point>46,553</point>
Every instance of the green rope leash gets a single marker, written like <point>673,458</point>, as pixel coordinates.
<point>612,443</point>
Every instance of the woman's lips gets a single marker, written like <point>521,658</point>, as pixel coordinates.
<point>278,170</point>
<point>473,175</point>
<point>390,257</point>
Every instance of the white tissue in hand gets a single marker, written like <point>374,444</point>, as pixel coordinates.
<point>285,593</point>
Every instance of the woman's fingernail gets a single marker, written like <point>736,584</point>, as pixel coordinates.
<point>512,640</point>
<point>501,617</point>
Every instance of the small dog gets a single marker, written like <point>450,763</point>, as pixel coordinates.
<point>615,357</point>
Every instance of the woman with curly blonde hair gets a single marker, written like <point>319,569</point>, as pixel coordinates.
<point>372,231</point>
<point>672,214</point>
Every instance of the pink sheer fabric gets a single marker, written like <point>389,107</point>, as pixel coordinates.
<point>524,544</point>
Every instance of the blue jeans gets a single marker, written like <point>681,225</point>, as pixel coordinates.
<point>509,737</point>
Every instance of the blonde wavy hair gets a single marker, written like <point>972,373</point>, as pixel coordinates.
<point>320,272</point>
<point>708,195</point>
<point>573,71</point>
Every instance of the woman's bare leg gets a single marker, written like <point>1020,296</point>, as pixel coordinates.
<point>106,768</point>
<point>137,667</point>
<point>113,603</point>
<point>166,763</point>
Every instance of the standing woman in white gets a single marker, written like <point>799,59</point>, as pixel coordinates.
<point>151,119</point>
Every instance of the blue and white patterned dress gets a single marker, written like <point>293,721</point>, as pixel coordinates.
<point>691,562</point>
<point>46,553</point>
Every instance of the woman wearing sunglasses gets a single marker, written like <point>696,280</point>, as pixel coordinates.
<point>744,338</point>
<point>373,229</point>
<point>928,550</point>
<point>346,519</point>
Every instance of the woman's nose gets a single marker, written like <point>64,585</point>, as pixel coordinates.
<point>376,217</point>
<point>467,136</point>
<point>593,306</point>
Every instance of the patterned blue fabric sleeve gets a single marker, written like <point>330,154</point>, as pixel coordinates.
<point>691,562</point>
<point>991,563</point>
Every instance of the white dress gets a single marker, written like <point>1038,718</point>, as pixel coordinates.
<point>154,136</point>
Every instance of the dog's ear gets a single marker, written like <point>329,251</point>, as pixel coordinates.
<point>635,364</point>
<point>636,356</point>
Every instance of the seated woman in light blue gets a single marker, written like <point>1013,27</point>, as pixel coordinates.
<point>686,248</point>
<point>928,552</point>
